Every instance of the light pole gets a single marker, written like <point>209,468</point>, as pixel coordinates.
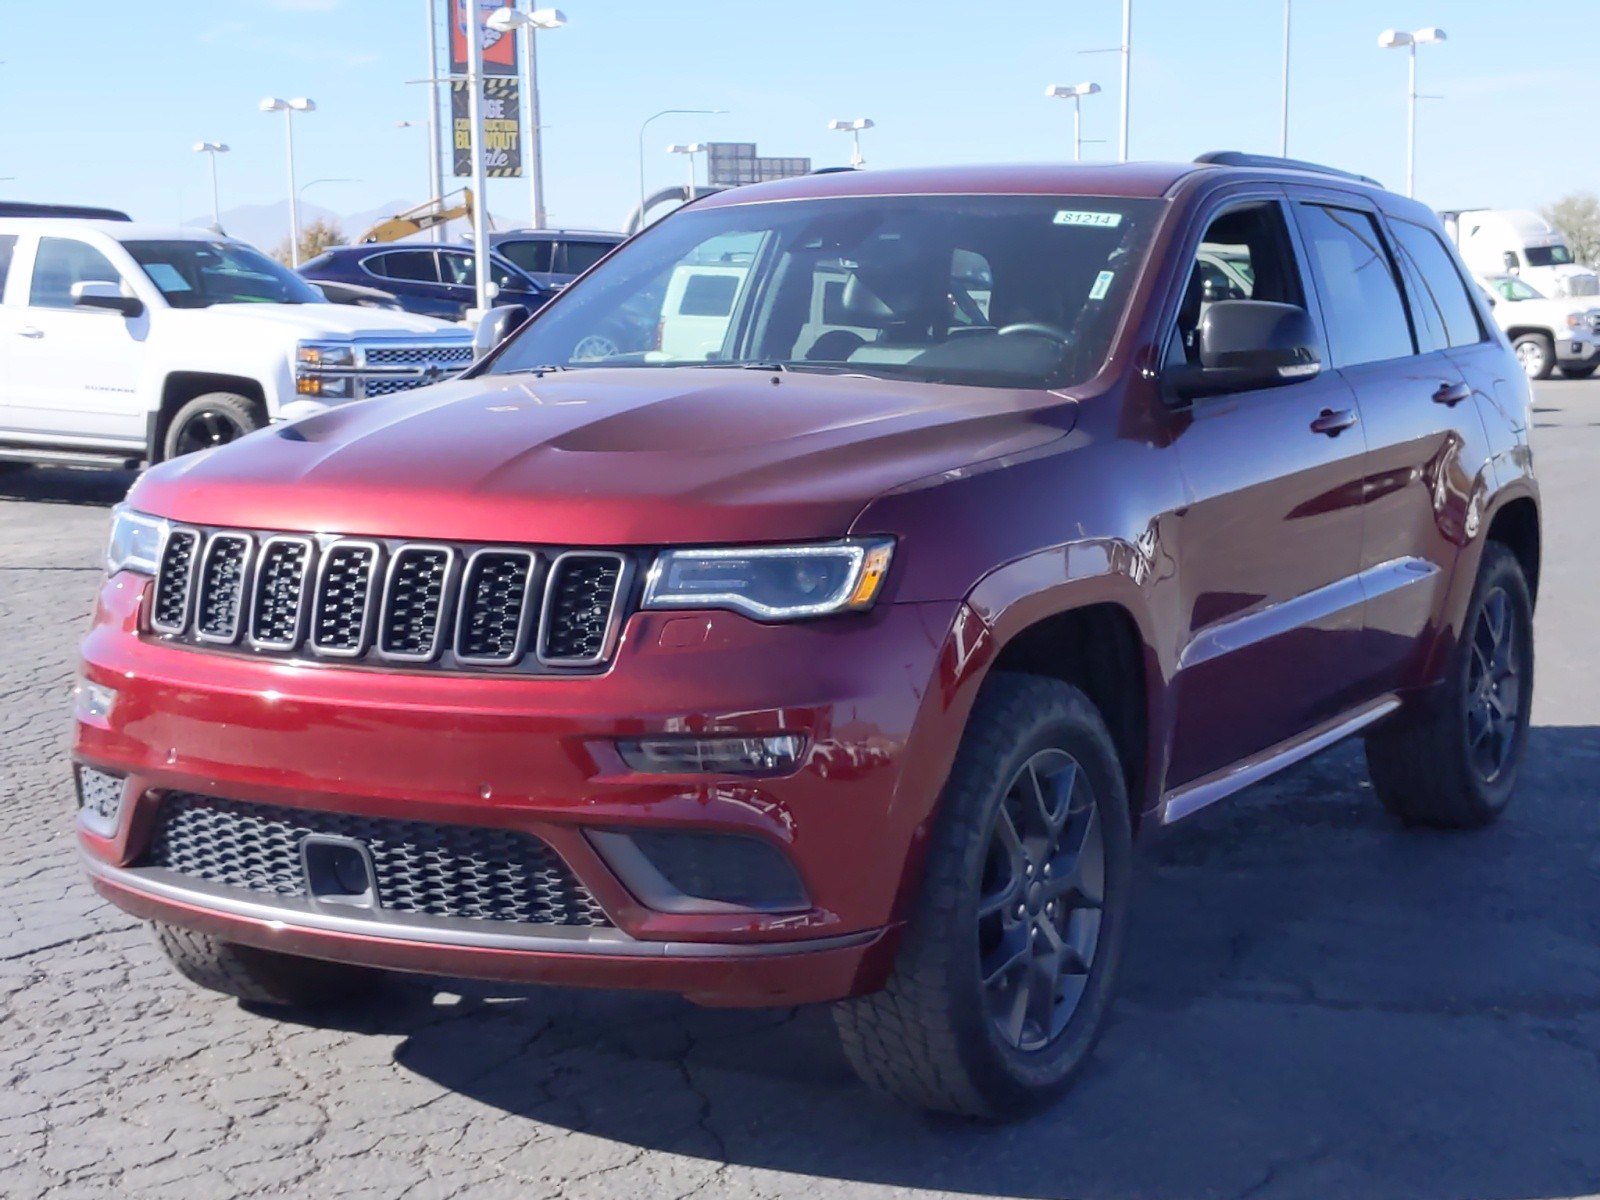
<point>1074,92</point>
<point>645,124</point>
<point>212,149</point>
<point>288,108</point>
<point>853,128</point>
<point>435,161</point>
<point>1397,39</point>
<point>504,20</point>
<point>690,149</point>
<point>1283,136</point>
<point>1126,51</point>
<point>433,178</point>
<point>480,202</point>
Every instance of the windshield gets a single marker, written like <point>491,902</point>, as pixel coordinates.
<point>193,274</point>
<point>1547,256</point>
<point>1514,289</point>
<point>1000,291</point>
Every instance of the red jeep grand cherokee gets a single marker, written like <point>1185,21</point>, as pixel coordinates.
<point>810,603</point>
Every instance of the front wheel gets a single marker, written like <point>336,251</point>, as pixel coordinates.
<point>1452,761</point>
<point>1537,355</point>
<point>1006,971</point>
<point>264,977</point>
<point>208,421</point>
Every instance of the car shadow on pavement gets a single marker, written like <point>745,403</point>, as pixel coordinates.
<point>1316,1003</point>
<point>65,485</point>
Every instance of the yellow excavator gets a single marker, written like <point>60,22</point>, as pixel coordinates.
<point>426,215</point>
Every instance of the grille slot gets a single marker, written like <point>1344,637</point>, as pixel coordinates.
<point>580,608</point>
<point>495,603</point>
<point>169,613</point>
<point>414,603</point>
<point>459,871</point>
<point>456,354</point>
<point>219,594</point>
<point>342,612</point>
<point>392,602</point>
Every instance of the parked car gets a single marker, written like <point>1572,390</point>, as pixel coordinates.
<point>123,343</point>
<point>1546,334</point>
<point>433,281</point>
<point>355,293</point>
<point>553,258</point>
<point>839,660</point>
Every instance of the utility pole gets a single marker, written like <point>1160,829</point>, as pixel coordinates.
<point>435,158</point>
<point>480,201</point>
<point>1283,139</point>
<point>1127,51</point>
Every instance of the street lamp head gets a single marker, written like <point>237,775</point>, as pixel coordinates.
<point>211,147</point>
<point>857,124</point>
<point>1394,39</point>
<point>504,20</point>
<point>302,104</point>
<point>1069,91</point>
<point>273,104</point>
<point>547,18</point>
<point>687,148</point>
<point>1424,36</point>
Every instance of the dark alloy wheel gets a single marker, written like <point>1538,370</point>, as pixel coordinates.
<point>1494,695</point>
<point>209,421</point>
<point>1040,906</point>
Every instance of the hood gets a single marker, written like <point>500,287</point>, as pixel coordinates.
<point>639,456</point>
<point>325,320</point>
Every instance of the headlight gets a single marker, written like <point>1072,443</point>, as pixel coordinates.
<point>772,583</point>
<point>325,354</point>
<point>135,541</point>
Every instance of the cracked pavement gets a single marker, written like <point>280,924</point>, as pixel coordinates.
<point>1316,1003</point>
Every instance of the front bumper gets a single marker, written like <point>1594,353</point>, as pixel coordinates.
<point>1580,350</point>
<point>536,755</point>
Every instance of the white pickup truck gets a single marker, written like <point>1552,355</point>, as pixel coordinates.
<point>1546,333</point>
<point>122,343</point>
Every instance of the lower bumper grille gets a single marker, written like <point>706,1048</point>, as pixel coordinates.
<point>418,867</point>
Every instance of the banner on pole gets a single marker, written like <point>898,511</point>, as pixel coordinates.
<point>502,128</point>
<point>499,49</point>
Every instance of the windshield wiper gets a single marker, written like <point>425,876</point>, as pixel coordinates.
<point>542,369</point>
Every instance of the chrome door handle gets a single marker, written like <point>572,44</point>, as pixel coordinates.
<point>1334,421</point>
<point>1451,394</point>
<point>30,331</point>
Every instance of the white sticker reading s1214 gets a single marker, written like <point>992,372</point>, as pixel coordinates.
<point>1101,220</point>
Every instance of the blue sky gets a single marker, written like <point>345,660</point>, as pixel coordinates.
<point>103,107</point>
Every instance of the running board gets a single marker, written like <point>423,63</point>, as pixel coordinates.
<point>1192,797</point>
<point>117,460</point>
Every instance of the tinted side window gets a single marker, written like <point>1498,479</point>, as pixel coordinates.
<point>578,257</point>
<point>8,243</point>
<point>62,262</point>
<point>415,265</point>
<point>1442,295</point>
<point>709,295</point>
<point>530,256</point>
<point>1361,302</point>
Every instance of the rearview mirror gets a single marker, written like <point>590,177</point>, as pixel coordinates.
<point>97,293</point>
<point>1245,345</point>
<point>495,326</point>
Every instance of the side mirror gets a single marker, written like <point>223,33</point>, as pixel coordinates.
<point>1510,259</point>
<point>1246,345</point>
<point>96,293</point>
<point>495,326</point>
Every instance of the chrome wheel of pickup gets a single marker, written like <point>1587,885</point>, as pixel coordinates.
<point>1040,907</point>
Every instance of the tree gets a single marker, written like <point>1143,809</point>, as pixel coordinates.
<point>1577,219</point>
<point>314,239</point>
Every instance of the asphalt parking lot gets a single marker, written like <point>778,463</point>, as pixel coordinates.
<point>1317,1004</point>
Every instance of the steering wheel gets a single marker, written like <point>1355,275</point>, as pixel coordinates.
<point>595,346</point>
<point>1038,328</point>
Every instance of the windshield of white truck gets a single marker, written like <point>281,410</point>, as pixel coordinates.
<point>998,291</point>
<point>194,274</point>
<point>1547,256</point>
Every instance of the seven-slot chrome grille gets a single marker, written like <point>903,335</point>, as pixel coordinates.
<point>390,601</point>
<point>419,867</point>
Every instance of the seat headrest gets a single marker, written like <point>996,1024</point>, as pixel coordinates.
<point>893,282</point>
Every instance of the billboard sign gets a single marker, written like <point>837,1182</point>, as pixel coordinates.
<point>734,164</point>
<point>499,49</point>
<point>502,129</point>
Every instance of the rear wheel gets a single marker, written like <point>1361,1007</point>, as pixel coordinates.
<point>1577,372</point>
<point>263,976</point>
<point>1537,355</point>
<point>1453,760</point>
<point>205,422</point>
<point>1007,968</point>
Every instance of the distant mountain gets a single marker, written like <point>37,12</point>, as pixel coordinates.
<point>266,226</point>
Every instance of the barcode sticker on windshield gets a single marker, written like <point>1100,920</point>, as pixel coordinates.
<point>1100,220</point>
<point>1102,285</point>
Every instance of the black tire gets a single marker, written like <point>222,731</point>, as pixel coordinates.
<point>1429,765</point>
<point>1537,354</point>
<point>1577,372</point>
<point>932,1036</point>
<point>214,419</point>
<point>263,976</point>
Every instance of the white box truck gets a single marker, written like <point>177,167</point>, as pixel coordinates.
<point>1508,241</point>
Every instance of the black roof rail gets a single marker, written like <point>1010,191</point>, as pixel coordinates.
<point>1238,158</point>
<point>833,170</point>
<point>24,208</point>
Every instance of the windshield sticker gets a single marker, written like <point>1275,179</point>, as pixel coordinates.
<point>1102,285</point>
<point>1099,220</point>
<point>166,277</point>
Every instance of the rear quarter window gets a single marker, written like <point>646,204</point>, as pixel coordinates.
<point>1440,292</point>
<point>8,246</point>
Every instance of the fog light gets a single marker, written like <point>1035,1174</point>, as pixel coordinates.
<point>712,755</point>
<point>100,801</point>
<point>688,871</point>
<point>92,703</point>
